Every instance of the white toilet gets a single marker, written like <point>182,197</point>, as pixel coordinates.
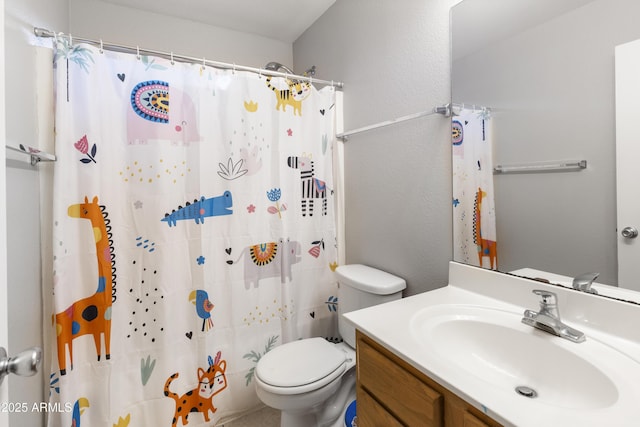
<point>312,381</point>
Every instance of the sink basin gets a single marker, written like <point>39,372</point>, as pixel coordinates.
<point>494,347</point>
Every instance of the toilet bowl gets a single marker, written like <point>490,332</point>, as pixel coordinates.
<point>309,380</point>
<point>312,381</point>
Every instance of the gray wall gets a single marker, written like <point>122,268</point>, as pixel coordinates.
<point>551,89</point>
<point>24,105</point>
<point>394,60</point>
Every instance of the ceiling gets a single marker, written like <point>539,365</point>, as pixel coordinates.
<point>283,20</point>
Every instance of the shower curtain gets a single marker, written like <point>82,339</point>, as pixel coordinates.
<point>474,218</point>
<point>193,232</point>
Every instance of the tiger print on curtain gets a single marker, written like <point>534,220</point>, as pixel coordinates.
<point>474,217</point>
<point>194,231</point>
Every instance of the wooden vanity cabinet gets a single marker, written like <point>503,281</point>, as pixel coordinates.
<point>390,392</point>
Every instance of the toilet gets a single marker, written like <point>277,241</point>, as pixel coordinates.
<point>312,381</point>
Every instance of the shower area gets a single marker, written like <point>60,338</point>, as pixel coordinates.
<point>187,210</point>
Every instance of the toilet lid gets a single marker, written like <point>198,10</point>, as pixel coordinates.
<point>300,362</point>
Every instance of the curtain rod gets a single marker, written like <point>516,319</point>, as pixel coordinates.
<point>41,32</point>
<point>474,107</point>
<point>445,110</point>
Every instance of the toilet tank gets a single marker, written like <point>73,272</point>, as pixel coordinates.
<point>361,286</point>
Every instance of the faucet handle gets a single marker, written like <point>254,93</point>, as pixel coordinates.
<point>584,281</point>
<point>548,298</point>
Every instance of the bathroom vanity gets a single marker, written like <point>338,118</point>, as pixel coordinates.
<point>392,392</point>
<point>461,356</point>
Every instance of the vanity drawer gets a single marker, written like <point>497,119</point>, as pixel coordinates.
<point>470,420</point>
<point>371,413</point>
<point>392,392</point>
<point>408,399</point>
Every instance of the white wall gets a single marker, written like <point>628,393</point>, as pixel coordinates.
<point>24,105</point>
<point>394,60</point>
<point>551,89</point>
<point>4,302</point>
<point>131,27</point>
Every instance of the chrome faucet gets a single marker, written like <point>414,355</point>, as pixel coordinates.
<point>584,281</point>
<point>548,318</point>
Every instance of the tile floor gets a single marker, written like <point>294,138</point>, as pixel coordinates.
<point>265,417</point>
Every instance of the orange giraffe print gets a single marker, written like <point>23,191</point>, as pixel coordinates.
<point>485,247</point>
<point>91,315</point>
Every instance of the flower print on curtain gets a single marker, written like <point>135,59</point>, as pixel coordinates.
<point>194,230</point>
<point>474,219</point>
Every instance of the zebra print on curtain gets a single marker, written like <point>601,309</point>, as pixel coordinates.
<point>474,218</point>
<point>194,231</point>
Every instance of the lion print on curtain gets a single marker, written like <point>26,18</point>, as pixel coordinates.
<point>187,245</point>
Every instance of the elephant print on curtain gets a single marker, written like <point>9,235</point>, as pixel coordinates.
<point>273,259</point>
<point>181,173</point>
<point>150,117</point>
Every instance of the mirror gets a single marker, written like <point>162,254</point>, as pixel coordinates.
<point>546,71</point>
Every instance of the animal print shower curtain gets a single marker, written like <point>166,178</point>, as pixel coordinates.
<point>474,217</point>
<point>193,232</point>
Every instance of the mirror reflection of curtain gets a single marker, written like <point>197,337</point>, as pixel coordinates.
<point>474,219</point>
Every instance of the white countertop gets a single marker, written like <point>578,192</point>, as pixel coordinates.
<point>602,320</point>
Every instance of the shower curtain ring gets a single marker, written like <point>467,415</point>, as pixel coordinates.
<point>70,40</point>
<point>172,61</point>
<point>204,63</point>
<point>234,68</point>
<point>101,46</point>
<point>138,52</point>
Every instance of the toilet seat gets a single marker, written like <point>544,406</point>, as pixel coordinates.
<point>300,366</point>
